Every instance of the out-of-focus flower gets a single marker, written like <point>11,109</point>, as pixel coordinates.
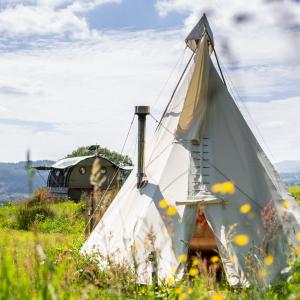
<point>226,187</point>
<point>193,271</point>
<point>244,209</point>
<point>178,290</point>
<point>214,259</point>
<point>285,204</point>
<point>216,188</point>
<point>262,273</point>
<point>182,296</point>
<point>182,258</point>
<point>196,261</point>
<point>298,235</point>
<point>190,291</point>
<point>241,239</point>
<point>217,296</point>
<point>163,203</point>
<point>171,210</point>
<point>170,281</point>
<point>268,260</point>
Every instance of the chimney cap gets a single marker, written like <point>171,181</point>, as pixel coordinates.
<point>142,110</point>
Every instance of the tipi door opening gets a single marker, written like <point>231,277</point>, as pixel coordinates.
<point>203,248</point>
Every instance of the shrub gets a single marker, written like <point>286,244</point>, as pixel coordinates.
<point>28,215</point>
<point>40,196</point>
<point>8,203</point>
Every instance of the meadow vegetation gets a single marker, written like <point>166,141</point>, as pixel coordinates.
<point>40,240</point>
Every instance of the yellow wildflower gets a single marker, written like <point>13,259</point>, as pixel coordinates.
<point>193,271</point>
<point>178,290</point>
<point>244,209</point>
<point>163,203</point>
<point>285,204</point>
<point>217,296</point>
<point>241,239</point>
<point>214,259</point>
<point>228,188</point>
<point>182,258</point>
<point>196,261</point>
<point>190,291</point>
<point>171,210</point>
<point>216,188</point>
<point>262,273</point>
<point>182,296</point>
<point>298,235</point>
<point>268,260</point>
<point>170,281</point>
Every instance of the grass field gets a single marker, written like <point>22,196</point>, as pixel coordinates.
<point>295,191</point>
<point>43,262</point>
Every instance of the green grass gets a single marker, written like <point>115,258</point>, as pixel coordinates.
<point>67,218</point>
<point>49,266</point>
<point>44,266</point>
<point>295,191</point>
<point>44,262</point>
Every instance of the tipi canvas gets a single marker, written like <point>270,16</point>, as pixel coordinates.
<point>202,140</point>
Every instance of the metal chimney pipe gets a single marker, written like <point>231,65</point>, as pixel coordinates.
<point>141,112</point>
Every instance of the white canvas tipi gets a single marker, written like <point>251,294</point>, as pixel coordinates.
<point>202,140</point>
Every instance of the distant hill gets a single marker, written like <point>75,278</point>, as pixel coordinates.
<point>291,178</point>
<point>14,179</point>
<point>288,166</point>
<point>289,171</point>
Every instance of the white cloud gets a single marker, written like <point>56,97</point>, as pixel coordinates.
<point>88,86</point>
<point>47,17</point>
<point>88,89</point>
<point>266,25</point>
<point>260,54</point>
<point>29,20</point>
<point>278,126</point>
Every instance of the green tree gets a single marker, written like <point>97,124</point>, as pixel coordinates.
<point>114,156</point>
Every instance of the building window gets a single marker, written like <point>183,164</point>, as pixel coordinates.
<point>82,170</point>
<point>103,170</point>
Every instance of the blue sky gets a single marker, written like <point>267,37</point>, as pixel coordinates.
<point>72,70</point>
<point>133,15</point>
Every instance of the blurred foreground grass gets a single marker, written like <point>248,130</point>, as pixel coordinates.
<point>43,262</point>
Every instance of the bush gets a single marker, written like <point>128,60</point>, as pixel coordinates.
<point>40,196</point>
<point>8,203</point>
<point>28,215</point>
<point>111,155</point>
